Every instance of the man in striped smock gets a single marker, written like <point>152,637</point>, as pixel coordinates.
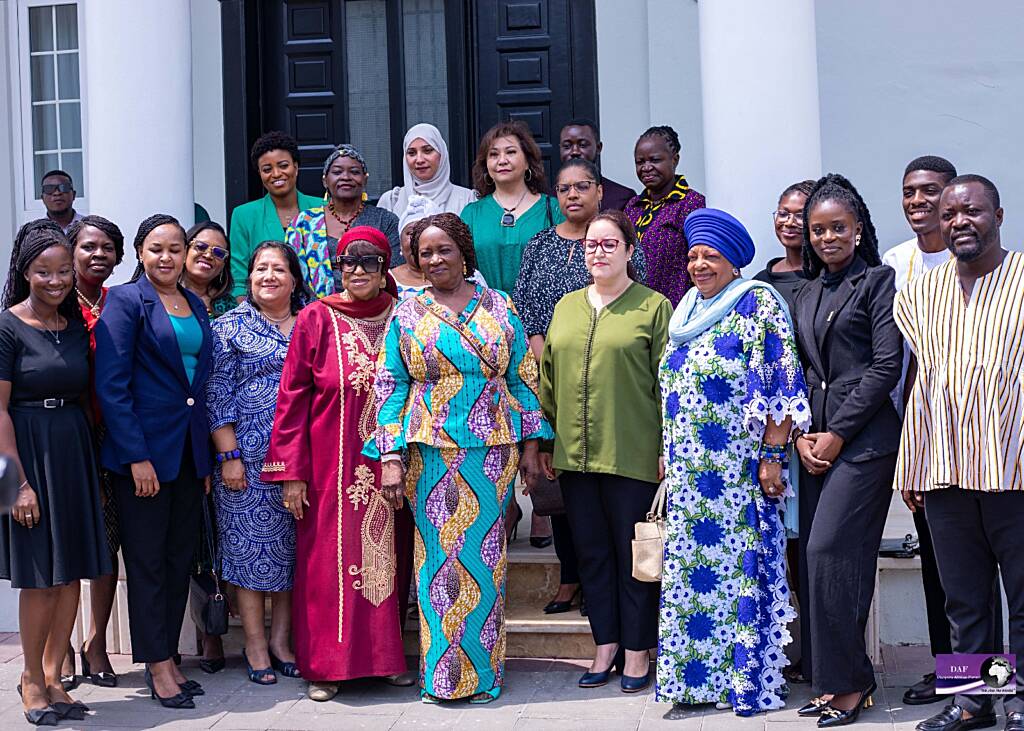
<point>961,449</point>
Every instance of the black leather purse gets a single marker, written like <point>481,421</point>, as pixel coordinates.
<point>904,547</point>
<point>208,604</point>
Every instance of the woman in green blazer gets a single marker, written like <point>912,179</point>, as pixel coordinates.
<point>275,156</point>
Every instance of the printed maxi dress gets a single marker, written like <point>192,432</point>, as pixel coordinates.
<point>725,601</point>
<point>456,392</point>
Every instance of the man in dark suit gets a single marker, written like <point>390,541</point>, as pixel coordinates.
<point>580,138</point>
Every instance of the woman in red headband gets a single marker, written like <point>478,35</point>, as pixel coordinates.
<point>348,586</point>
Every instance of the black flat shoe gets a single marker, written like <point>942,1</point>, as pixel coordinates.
<point>181,700</point>
<point>42,717</point>
<point>68,682</point>
<point>192,688</point>
<point>596,680</point>
<point>832,716</point>
<point>541,541</point>
<point>555,607</point>
<point>213,665</point>
<point>70,711</point>
<point>814,707</point>
<point>631,684</point>
<point>1014,721</point>
<point>102,678</point>
<point>951,718</point>
<point>923,692</point>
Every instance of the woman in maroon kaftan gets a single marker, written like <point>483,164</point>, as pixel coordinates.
<point>348,586</point>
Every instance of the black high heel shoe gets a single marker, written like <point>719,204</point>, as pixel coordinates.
<point>596,680</point>
<point>554,607</point>
<point>541,541</point>
<point>813,708</point>
<point>832,716</point>
<point>181,700</point>
<point>515,526</point>
<point>102,678</point>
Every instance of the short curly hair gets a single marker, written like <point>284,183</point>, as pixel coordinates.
<point>273,141</point>
<point>457,231</point>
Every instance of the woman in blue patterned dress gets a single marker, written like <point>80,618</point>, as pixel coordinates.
<point>732,392</point>
<point>255,532</point>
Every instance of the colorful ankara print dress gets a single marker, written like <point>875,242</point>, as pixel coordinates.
<point>345,617</point>
<point>459,392</point>
<point>255,532</point>
<point>725,601</point>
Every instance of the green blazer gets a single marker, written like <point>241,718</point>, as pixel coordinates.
<point>253,223</point>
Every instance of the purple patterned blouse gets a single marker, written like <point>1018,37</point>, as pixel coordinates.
<point>662,238</point>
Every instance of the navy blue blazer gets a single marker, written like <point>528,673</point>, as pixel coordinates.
<point>148,405</point>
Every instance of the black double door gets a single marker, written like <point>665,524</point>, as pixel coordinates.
<point>363,71</point>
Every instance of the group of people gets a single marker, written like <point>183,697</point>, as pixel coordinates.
<point>343,395</point>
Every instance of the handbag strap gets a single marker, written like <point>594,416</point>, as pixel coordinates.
<point>657,511</point>
<point>211,545</point>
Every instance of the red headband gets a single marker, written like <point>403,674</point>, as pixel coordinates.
<point>378,239</point>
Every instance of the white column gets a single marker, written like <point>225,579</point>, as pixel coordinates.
<point>137,83</point>
<point>759,78</point>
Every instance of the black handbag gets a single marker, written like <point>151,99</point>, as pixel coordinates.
<point>207,601</point>
<point>904,547</point>
<point>547,498</point>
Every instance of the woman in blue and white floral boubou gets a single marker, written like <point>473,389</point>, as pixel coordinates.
<point>732,392</point>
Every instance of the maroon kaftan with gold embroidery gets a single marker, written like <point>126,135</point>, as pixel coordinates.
<point>345,615</point>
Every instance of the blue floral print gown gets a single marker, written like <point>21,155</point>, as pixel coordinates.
<point>725,601</point>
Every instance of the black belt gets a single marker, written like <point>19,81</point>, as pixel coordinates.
<point>46,403</point>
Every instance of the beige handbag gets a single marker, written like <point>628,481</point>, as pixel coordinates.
<point>649,540</point>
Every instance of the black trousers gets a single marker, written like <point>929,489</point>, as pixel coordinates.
<point>842,515</point>
<point>561,532</point>
<point>602,510</point>
<point>158,539</point>
<point>976,537</point>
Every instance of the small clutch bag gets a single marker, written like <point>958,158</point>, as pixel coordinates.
<point>649,540</point>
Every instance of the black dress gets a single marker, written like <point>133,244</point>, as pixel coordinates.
<point>56,452</point>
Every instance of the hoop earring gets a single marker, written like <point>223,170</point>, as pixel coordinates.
<point>735,271</point>
<point>529,174</point>
<point>488,179</point>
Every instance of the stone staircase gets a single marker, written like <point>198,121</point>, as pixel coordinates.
<point>532,582</point>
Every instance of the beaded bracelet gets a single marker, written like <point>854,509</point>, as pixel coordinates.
<point>226,456</point>
<point>775,453</point>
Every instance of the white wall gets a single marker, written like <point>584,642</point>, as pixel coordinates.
<point>920,77</point>
<point>8,166</point>
<point>648,71</point>
<point>208,109</point>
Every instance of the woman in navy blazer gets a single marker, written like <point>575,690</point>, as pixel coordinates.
<point>153,358</point>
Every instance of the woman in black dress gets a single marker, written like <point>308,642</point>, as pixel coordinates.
<point>54,535</point>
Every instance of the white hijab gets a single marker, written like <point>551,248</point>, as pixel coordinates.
<point>446,195</point>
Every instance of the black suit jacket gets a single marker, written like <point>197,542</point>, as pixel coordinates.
<point>864,352</point>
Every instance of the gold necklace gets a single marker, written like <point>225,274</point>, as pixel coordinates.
<point>94,307</point>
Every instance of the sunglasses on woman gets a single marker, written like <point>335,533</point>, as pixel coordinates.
<point>370,263</point>
<point>202,247</point>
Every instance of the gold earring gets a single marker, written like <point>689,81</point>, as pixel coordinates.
<point>465,270</point>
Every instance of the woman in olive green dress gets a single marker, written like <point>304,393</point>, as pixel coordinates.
<point>610,459</point>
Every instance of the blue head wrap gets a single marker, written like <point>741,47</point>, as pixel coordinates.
<point>344,151</point>
<point>720,231</point>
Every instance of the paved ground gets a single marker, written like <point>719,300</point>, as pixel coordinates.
<point>539,695</point>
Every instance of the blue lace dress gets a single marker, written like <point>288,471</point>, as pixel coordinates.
<point>255,532</point>
<point>725,601</point>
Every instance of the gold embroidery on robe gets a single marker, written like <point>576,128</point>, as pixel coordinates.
<point>377,575</point>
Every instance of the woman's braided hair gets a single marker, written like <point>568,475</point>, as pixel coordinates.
<point>668,134</point>
<point>145,229</point>
<point>835,187</point>
<point>33,239</point>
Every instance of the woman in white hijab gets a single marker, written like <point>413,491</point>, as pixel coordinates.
<point>427,172</point>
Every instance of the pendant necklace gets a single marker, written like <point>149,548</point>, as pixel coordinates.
<point>94,307</point>
<point>277,322</point>
<point>507,219</point>
<point>55,334</point>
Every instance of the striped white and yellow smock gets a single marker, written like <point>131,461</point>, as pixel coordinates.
<point>965,419</point>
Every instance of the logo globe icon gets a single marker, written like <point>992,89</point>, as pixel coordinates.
<point>996,672</point>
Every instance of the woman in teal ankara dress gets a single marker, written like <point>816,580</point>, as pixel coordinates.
<point>456,396</point>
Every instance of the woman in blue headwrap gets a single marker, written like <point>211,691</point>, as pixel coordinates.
<point>732,392</point>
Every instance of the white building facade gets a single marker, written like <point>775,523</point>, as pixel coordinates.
<point>129,96</point>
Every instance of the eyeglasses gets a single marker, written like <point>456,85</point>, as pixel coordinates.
<point>202,247</point>
<point>581,187</point>
<point>370,264</point>
<point>51,188</point>
<point>784,216</point>
<point>608,246</point>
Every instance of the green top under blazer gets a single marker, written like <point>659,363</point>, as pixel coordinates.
<point>599,382</point>
<point>253,223</point>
